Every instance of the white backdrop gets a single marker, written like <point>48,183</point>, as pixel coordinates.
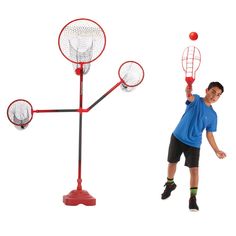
<point>126,136</point>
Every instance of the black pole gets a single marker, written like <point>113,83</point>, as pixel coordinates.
<point>56,110</point>
<point>104,95</point>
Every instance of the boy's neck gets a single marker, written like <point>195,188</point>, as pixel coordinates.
<point>206,102</point>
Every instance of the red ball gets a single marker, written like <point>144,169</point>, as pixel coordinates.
<point>193,36</point>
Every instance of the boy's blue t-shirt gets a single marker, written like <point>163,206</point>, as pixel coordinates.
<point>197,117</point>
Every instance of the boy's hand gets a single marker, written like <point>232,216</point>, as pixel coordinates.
<point>221,154</point>
<point>189,95</point>
<point>188,90</point>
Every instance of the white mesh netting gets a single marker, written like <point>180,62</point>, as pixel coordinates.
<point>82,41</point>
<point>131,73</point>
<point>20,113</point>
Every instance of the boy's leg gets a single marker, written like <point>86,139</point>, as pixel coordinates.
<point>171,170</point>
<point>174,154</point>
<point>170,184</point>
<point>192,155</point>
<point>193,189</point>
<point>194,177</point>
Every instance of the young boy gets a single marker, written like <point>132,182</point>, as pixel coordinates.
<point>187,138</point>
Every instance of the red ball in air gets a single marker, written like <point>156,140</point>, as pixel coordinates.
<point>193,36</point>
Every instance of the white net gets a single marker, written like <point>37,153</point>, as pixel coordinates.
<point>131,74</point>
<point>20,113</point>
<point>82,41</point>
<point>82,55</point>
<point>191,60</point>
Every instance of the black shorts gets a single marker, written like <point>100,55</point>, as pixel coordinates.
<point>176,149</point>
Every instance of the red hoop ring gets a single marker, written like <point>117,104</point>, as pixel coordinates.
<point>22,100</point>
<point>95,57</point>
<point>122,78</point>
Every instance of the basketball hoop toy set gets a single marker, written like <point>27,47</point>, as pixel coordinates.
<point>81,42</point>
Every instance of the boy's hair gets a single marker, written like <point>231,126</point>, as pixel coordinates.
<point>216,84</point>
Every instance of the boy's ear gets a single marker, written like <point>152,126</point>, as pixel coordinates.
<point>206,90</point>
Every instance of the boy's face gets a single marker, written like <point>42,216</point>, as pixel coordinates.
<point>212,95</point>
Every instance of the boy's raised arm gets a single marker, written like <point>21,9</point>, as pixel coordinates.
<point>189,95</point>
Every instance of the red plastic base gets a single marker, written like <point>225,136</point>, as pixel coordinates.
<point>76,197</point>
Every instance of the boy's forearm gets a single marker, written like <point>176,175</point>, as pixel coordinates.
<point>189,95</point>
<point>212,142</point>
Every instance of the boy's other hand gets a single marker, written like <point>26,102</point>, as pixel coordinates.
<point>221,154</point>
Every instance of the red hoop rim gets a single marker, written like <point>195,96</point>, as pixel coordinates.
<point>20,100</point>
<point>72,22</point>
<point>122,78</point>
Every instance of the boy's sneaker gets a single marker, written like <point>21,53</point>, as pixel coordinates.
<point>169,188</point>
<point>193,204</point>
